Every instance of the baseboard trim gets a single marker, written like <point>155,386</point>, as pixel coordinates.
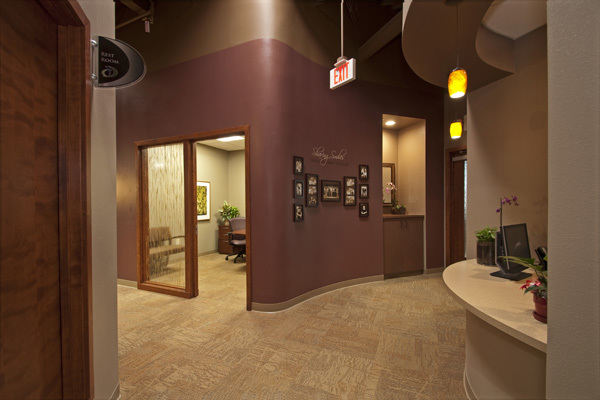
<point>205,253</point>
<point>126,282</point>
<point>275,307</point>
<point>468,390</point>
<point>434,270</point>
<point>116,394</point>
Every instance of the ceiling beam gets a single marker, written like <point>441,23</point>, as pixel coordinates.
<point>134,6</point>
<point>381,38</point>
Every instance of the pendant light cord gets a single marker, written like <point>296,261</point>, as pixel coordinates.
<point>457,31</point>
<point>342,29</point>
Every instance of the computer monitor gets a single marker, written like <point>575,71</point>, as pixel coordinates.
<point>515,242</point>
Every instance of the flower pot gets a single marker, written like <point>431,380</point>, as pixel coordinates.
<point>541,308</point>
<point>485,253</point>
<point>395,210</point>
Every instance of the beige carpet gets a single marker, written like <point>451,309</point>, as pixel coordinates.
<point>397,339</point>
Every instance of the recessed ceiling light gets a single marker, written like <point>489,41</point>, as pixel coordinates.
<point>390,122</point>
<point>230,138</point>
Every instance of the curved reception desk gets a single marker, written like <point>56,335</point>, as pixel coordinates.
<point>505,347</point>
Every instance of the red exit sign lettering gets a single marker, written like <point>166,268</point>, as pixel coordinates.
<point>342,74</point>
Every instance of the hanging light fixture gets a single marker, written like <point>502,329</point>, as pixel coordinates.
<point>456,129</point>
<point>457,80</point>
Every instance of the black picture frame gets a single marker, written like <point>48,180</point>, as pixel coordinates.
<point>331,191</point>
<point>363,210</point>
<point>298,184</point>
<point>350,185</point>
<point>312,190</point>
<point>298,212</point>
<point>298,165</point>
<point>363,172</point>
<point>363,190</point>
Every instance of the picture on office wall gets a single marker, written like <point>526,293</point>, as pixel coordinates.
<point>349,191</point>
<point>203,200</point>
<point>363,191</point>
<point>363,172</point>
<point>298,212</point>
<point>298,165</point>
<point>331,190</point>
<point>363,209</point>
<point>298,188</point>
<point>312,193</point>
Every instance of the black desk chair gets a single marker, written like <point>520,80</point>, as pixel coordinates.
<point>238,242</point>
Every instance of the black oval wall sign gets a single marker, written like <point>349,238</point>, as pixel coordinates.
<point>119,64</point>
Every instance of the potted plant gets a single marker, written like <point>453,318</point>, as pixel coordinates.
<point>398,208</point>
<point>227,212</point>
<point>485,246</point>
<point>539,287</point>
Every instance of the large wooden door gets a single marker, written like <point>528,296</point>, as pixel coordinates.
<point>44,266</point>
<point>456,206</point>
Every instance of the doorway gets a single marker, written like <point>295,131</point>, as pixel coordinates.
<point>178,205</point>
<point>456,204</point>
<point>45,267</point>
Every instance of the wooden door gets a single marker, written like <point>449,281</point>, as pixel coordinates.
<point>456,206</point>
<point>44,267</point>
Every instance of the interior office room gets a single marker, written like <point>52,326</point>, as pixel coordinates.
<point>215,220</point>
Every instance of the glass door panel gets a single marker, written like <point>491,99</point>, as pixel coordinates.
<point>164,217</point>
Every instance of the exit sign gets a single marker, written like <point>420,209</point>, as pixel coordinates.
<point>342,74</point>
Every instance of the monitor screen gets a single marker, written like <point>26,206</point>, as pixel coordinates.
<point>516,243</point>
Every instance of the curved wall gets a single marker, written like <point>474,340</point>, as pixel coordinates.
<point>284,97</point>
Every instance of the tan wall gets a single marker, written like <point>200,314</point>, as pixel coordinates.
<point>507,146</point>
<point>190,29</point>
<point>237,180</point>
<point>104,218</point>
<point>573,367</point>
<point>212,166</point>
<point>410,168</point>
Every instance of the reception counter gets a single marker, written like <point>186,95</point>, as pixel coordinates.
<point>505,347</point>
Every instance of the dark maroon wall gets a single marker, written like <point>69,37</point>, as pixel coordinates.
<point>285,99</point>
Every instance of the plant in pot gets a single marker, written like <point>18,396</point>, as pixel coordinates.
<point>539,287</point>
<point>398,208</point>
<point>485,246</point>
<point>227,212</point>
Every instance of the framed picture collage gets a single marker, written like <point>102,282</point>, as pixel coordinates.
<point>351,190</point>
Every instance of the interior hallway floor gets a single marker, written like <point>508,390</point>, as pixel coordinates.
<point>396,339</point>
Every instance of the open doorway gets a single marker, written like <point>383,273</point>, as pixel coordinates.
<point>404,195</point>
<point>456,204</point>
<point>185,185</point>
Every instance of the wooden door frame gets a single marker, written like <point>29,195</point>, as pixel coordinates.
<point>190,139</point>
<point>448,166</point>
<point>74,88</point>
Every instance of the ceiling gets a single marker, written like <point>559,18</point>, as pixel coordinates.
<point>227,146</point>
<point>515,18</point>
<point>401,122</point>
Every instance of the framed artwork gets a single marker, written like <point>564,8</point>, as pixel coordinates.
<point>363,172</point>
<point>312,191</point>
<point>203,201</point>
<point>298,165</point>
<point>331,190</point>
<point>298,188</point>
<point>363,191</point>
<point>363,209</point>
<point>298,212</point>
<point>349,191</point>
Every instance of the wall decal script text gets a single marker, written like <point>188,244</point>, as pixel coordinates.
<point>324,157</point>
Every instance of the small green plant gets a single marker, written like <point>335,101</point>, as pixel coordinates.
<point>538,287</point>
<point>487,234</point>
<point>228,212</point>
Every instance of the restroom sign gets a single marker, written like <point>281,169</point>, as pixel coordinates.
<point>342,73</point>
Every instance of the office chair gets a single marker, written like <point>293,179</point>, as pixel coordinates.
<point>238,242</point>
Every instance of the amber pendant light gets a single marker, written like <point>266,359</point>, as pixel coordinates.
<point>456,129</point>
<point>457,80</point>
